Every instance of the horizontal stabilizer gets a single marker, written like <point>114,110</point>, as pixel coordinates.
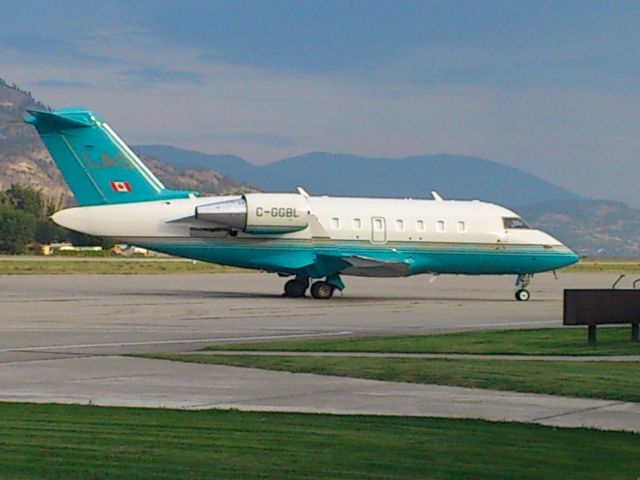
<point>55,121</point>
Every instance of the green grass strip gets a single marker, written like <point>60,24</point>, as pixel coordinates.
<point>605,380</point>
<point>546,341</point>
<point>82,442</point>
<point>108,266</point>
<point>604,265</point>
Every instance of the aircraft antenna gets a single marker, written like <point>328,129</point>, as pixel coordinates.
<point>303,192</point>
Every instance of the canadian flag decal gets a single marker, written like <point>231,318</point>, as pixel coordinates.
<point>120,187</point>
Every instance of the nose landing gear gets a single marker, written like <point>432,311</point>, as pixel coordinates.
<point>522,282</point>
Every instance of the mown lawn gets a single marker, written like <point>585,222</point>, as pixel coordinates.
<point>105,266</point>
<point>84,442</point>
<point>605,265</point>
<point>545,341</point>
<point>606,380</point>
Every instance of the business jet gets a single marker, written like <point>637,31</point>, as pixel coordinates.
<point>314,240</point>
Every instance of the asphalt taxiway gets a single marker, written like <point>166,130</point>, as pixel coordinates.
<point>62,339</point>
<point>97,314</point>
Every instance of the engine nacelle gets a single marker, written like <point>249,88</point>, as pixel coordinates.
<point>259,213</point>
<point>276,212</point>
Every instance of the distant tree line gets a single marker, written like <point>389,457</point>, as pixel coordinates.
<point>25,222</point>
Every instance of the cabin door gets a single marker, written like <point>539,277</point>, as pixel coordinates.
<point>378,230</point>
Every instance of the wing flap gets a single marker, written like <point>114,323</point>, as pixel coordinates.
<point>360,265</point>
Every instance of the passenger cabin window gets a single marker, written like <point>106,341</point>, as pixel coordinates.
<point>335,223</point>
<point>420,225</point>
<point>440,226</point>
<point>514,222</point>
<point>462,227</point>
<point>378,226</point>
<point>399,226</point>
<point>357,224</point>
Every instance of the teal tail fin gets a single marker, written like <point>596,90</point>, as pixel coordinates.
<point>94,161</point>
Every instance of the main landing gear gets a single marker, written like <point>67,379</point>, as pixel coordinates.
<point>296,288</point>
<point>321,290</point>
<point>523,281</point>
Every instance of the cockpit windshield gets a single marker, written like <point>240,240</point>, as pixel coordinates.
<point>514,222</point>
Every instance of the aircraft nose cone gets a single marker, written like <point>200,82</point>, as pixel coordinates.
<point>569,258</point>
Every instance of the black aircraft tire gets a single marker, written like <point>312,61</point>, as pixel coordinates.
<point>294,289</point>
<point>322,290</point>
<point>523,295</point>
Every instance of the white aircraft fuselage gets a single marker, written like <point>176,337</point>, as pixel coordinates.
<point>375,237</point>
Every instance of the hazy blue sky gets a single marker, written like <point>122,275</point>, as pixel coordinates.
<point>550,87</point>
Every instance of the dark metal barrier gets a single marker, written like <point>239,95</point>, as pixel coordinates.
<point>594,307</point>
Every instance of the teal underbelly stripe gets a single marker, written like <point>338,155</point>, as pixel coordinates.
<point>295,257</point>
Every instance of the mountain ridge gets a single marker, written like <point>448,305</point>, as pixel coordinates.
<point>453,176</point>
